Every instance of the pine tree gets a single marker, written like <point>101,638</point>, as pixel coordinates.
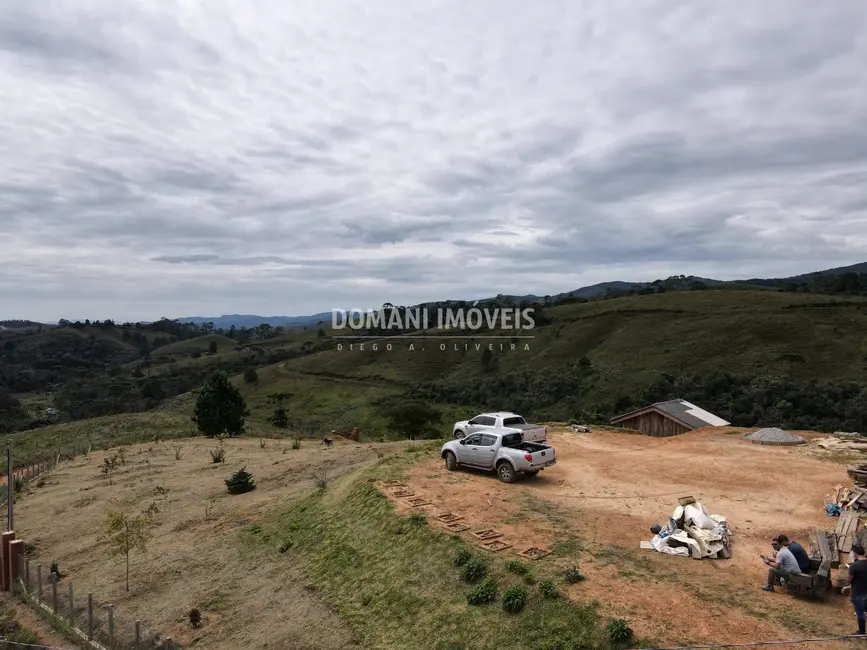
<point>241,482</point>
<point>220,407</point>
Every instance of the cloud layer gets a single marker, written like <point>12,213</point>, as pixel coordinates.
<point>169,158</point>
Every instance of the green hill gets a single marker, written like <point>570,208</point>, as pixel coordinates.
<point>754,356</point>
<point>724,348</point>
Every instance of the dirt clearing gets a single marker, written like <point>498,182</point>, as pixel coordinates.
<point>596,505</point>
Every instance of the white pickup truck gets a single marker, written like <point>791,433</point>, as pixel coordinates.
<point>501,420</point>
<point>501,450</point>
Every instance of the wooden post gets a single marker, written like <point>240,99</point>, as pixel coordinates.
<point>89,617</point>
<point>5,539</point>
<point>27,574</point>
<point>138,635</point>
<point>71,607</point>
<point>110,627</point>
<point>39,579</point>
<point>16,561</point>
<point>54,591</point>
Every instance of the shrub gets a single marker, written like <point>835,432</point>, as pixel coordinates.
<point>619,633</point>
<point>462,557</point>
<point>548,589</point>
<point>262,443</point>
<point>285,546</point>
<point>177,453</point>
<point>280,418</point>
<point>483,593</point>
<point>251,376</point>
<point>516,566</point>
<point>218,455</point>
<point>241,482</point>
<point>572,575</point>
<point>195,618</point>
<point>417,518</point>
<point>529,578</point>
<point>296,443</point>
<point>514,599</point>
<point>18,483</point>
<point>474,569</point>
<point>321,479</point>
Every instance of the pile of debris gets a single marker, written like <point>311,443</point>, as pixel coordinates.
<point>579,428</point>
<point>839,444</point>
<point>692,532</point>
<point>774,436</point>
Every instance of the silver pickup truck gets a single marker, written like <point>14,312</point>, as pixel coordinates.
<point>500,450</point>
<point>484,422</point>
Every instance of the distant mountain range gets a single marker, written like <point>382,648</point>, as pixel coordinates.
<point>250,320</point>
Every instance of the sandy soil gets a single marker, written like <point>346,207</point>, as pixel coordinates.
<point>608,488</point>
<point>193,559</point>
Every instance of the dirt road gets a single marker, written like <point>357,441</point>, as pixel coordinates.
<point>608,488</point>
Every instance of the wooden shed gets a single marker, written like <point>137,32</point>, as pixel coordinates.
<point>669,418</point>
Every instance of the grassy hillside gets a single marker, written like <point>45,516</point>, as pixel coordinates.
<point>395,581</point>
<point>754,356</point>
<point>605,356</point>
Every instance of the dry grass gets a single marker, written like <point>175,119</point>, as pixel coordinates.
<point>247,596</point>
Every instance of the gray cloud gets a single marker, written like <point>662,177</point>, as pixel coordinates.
<point>264,158</point>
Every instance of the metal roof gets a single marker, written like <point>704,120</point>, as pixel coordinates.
<point>681,411</point>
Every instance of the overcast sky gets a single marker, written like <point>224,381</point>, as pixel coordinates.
<point>168,158</point>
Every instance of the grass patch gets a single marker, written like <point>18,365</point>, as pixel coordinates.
<point>397,584</point>
<point>100,433</point>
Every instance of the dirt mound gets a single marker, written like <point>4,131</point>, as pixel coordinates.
<point>774,436</point>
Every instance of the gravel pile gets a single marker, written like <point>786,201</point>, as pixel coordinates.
<point>774,436</point>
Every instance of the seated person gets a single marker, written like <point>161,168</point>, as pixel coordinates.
<point>780,568</point>
<point>798,551</point>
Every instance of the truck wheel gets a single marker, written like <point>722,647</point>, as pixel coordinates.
<point>459,435</point>
<point>506,473</point>
<point>451,462</point>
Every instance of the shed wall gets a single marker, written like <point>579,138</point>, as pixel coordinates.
<point>654,424</point>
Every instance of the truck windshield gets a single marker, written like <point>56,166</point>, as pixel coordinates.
<point>508,422</point>
<point>511,439</point>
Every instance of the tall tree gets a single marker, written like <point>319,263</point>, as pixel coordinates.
<point>126,534</point>
<point>220,407</point>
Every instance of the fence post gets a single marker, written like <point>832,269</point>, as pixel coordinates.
<point>54,591</point>
<point>39,578</point>
<point>71,607</point>
<point>110,627</point>
<point>89,617</point>
<point>27,574</point>
<point>138,635</point>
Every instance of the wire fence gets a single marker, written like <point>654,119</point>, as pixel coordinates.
<point>25,474</point>
<point>94,623</point>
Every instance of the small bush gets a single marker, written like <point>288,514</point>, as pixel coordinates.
<point>619,633</point>
<point>474,569</point>
<point>262,443</point>
<point>462,557</point>
<point>177,453</point>
<point>296,443</point>
<point>483,593</point>
<point>529,578</point>
<point>516,566</point>
<point>321,479</point>
<point>572,575</point>
<point>18,484</point>
<point>548,589</point>
<point>218,455</point>
<point>417,518</point>
<point>514,599</point>
<point>251,376</point>
<point>285,546</point>
<point>240,482</point>
<point>195,618</point>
